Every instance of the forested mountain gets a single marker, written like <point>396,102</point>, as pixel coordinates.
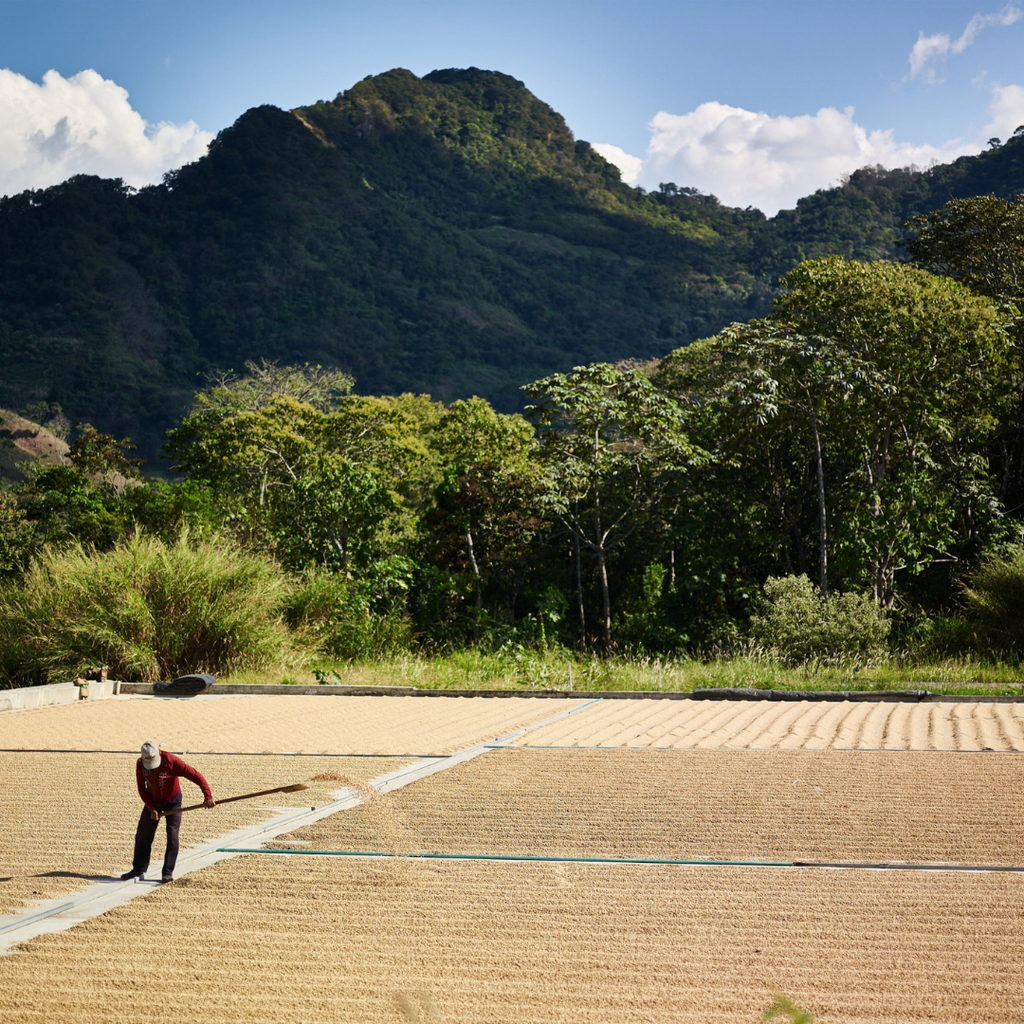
<point>445,235</point>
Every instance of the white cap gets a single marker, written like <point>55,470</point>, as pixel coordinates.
<point>150,755</point>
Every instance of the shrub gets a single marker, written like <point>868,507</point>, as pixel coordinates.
<point>797,625</point>
<point>649,615</point>
<point>995,602</point>
<point>335,615</point>
<point>441,603</point>
<point>148,609</point>
<point>15,537</point>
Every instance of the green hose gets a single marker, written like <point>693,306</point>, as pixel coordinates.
<point>516,857</point>
<point>850,866</point>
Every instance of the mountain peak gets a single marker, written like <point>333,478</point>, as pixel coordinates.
<point>457,106</point>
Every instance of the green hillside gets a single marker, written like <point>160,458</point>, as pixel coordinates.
<point>445,234</point>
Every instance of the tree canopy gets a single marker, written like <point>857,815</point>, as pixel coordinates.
<point>886,383</point>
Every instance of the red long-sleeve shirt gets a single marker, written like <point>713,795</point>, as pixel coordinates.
<point>159,786</point>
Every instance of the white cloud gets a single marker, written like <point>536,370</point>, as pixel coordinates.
<point>1006,111</point>
<point>84,125</point>
<point>929,49</point>
<point>629,166</point>
<point>754,159</point>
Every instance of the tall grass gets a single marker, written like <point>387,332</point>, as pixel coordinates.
<point>147,609</point>
<point>995,603</point>
<point>527,670</point>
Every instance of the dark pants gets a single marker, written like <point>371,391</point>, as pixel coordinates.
<point>146,831</point>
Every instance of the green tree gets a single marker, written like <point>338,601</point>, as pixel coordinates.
<point>869,396</point>
<point>65,506</point>
<point>935,356</point>
<point>265,380</point>
<point>792,384</point>
<point>16,540</point>
<point>485,521</point>
<point>484,517</point>
<point>470,433</point>
<point>612,447</point>
<point>104,457</point>
<point>316,481</point>
<point>337,507</point>
<point>748,511</point>
<point>979,241</point>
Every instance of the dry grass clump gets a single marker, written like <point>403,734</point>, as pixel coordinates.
<point>48,848</point>
<point>296,724</point>
<point>273,939</point>
<point>696,804</point>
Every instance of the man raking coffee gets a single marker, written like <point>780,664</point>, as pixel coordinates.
<point>156,774</point>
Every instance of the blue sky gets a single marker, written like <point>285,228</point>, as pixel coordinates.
<point>759,102</point>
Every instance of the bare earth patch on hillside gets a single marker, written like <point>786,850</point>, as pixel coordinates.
<point>34,440</point>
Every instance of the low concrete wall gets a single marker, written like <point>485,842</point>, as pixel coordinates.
<point>56,693</point>
<point>328,690</point>
<point>67,693</point>
<point>884,696</point>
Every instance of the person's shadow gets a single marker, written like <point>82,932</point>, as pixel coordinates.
<point>73,874</point>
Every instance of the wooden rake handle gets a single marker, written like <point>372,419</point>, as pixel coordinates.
<point>245,796</point>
